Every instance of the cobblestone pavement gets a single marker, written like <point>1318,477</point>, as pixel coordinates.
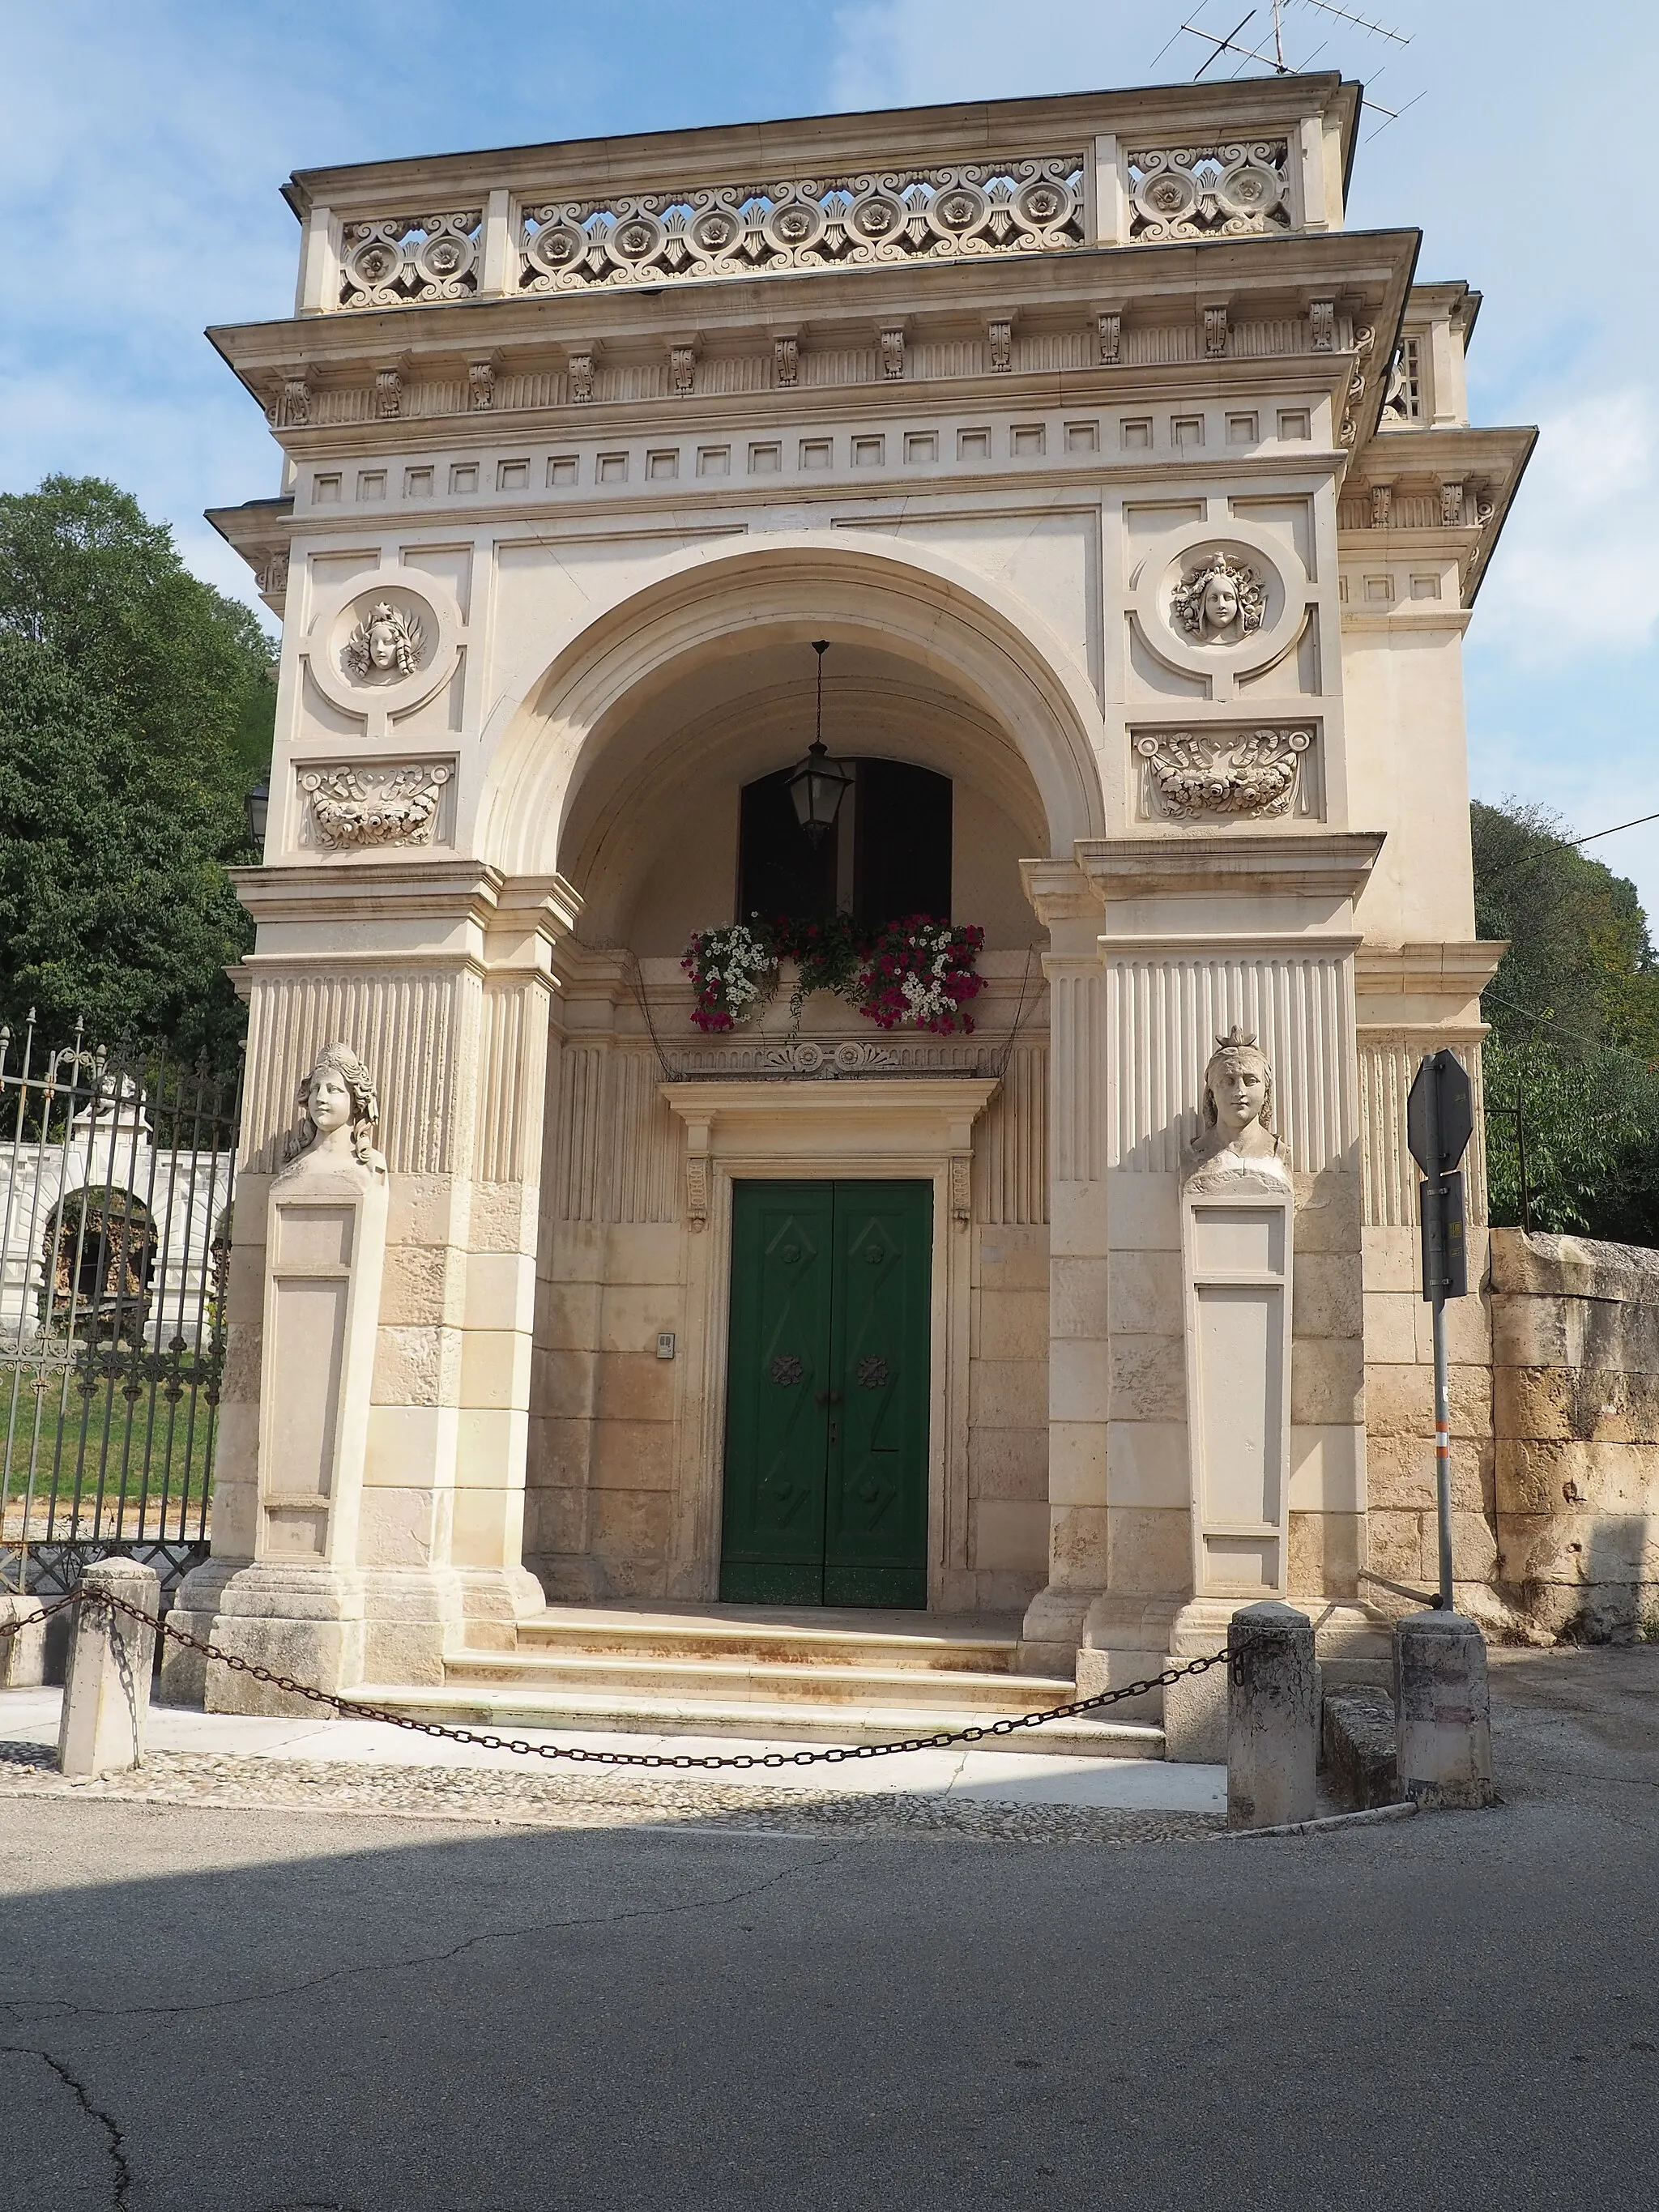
<point>593,1797</point>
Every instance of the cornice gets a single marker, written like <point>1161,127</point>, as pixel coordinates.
<point>1412,970</point>
<point>1309,863</point>
<point>1370,268</point>
<point>451,890</point>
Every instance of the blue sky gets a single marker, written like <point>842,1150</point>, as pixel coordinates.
<point>142,148</point>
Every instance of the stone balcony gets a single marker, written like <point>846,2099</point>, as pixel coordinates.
<point>1183,164</point>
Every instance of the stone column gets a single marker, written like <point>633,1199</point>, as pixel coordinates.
<point>1077,1270</point>
<point>437,973</point>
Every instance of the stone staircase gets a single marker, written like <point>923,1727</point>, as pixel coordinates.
<point>782,1674</point>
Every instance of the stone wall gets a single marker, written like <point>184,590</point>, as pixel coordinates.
<point>1575,1399</point>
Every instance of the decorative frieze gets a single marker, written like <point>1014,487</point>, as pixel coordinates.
<point>1108,334</point>
<point>786,360</point>
<point>386,803</point>
<point>1382,505</point>
<point>683,370</point>
<point>892,351</point>
<point>398,260</point>
<point>480,384</point>
<point>1322,326</point>
<point>388,393</point>
<point>999,335</point>
<point>1215,331</point>
<point>1195,775</point>
<point>1222,191</point>
<point>1451,503</point>
<point>1033,206</point>
<point>579,369</point>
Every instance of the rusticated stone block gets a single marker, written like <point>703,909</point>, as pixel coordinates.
<point>1328,1380</point>
<point>1148,1379</point>
<point>1326,1295</point>
<point>629,1524</point>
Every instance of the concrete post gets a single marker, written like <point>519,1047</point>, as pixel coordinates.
<point>107,1688</point>
<point>1442,1718</point>
<point>1273,1717</point>
<point>22,1642</point>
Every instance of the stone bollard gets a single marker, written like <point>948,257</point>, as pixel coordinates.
<point>106,1687</point>
<point>22,1642</point>
<point>1273,1717</point>
<point>1442,1718</point>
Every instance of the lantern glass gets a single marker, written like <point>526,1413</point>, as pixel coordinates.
<point>256,805</point>
<point>817,789</point>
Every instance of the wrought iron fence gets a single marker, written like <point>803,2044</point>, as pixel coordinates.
<point>117,1174</point>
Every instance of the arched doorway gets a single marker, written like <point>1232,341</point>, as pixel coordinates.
<point>641,748</point>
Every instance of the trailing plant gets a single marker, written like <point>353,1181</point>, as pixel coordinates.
<point>921,972</point>
<point>734,971</point>
<point>828,955</point>
<point>918,973</point>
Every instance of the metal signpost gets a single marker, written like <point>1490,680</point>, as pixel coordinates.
<point>1440,1122</point>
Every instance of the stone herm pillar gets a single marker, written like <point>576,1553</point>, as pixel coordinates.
<point>1442,1716</point>
<point>106,1687</point>
<point>1273,1717</point>
<point>1237,1239</point>
<point>22,1642</point>
<point>299,1608</point>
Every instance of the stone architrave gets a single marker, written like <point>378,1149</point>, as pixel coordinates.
<point>1235,1248</point>
<point>299,1608</point>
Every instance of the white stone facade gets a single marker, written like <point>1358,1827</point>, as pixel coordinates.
<point>576,467</point>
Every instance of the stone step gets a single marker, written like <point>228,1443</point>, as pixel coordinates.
<point>733,1681</point>
<point>779,1641</point>
<point>504,1705</point>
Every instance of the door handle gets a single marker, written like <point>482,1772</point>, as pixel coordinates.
<point>826,1397</point>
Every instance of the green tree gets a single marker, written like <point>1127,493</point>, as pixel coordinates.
<point>1574,1009</point>
<point>136,710</point>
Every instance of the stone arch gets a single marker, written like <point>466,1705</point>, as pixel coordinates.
<point>720,601</point>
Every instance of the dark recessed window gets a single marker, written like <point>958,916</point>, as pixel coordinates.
<point>888,856</point>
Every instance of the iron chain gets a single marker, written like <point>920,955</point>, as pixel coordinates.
<point>352,1709</point>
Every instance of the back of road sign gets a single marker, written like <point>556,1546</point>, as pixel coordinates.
<point>1439,1113</point>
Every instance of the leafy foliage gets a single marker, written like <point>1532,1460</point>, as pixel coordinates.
<point>136,710</point>
<point>1574,1009</point>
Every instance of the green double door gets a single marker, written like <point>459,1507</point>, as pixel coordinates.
<point>826,1413</point>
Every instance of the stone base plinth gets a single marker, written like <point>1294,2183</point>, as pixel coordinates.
<point>304,1622</point>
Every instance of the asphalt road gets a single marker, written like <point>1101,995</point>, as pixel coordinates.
<point>215,2011</point>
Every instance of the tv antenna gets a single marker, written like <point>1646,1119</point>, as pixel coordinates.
<point>1269,49</point>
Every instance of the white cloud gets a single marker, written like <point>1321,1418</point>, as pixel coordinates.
<point>889,53</point>
<point>1585,525</point>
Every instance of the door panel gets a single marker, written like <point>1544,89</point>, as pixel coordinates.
<point>875,1509</point>
<point>827,1397</point>
<point>777,1408</point>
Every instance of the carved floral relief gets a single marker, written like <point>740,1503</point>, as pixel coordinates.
<point>392,803</point>
<point>1193,774</point>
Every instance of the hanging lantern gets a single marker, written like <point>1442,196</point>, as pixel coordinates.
<point>819,784</point>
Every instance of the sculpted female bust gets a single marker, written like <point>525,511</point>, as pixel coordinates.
<point>339,1119</point>
<point>1236,1144</point>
